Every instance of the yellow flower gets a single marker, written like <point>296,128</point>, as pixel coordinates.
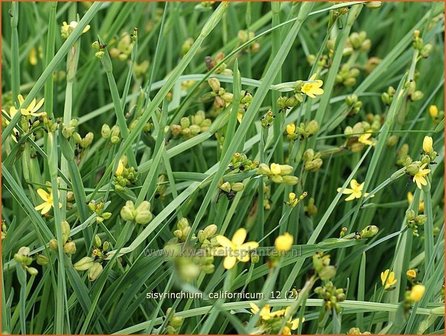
<point>354,192</point>
<point>433,111</point>
<point>411,274</point>
<point>388,279</point>
<point>312,88</point>
<point>236,249</point>
<point>48,201</point>
<point>284,242</point>
<point>417,293</point>
<point>67,29</point>
<point>278,173</point>
<point>30,110</point>
<point>420,177</point>
<point>427,144</point>
<point>365,139</point>
<point>290,129</point>
<point>265,312</point>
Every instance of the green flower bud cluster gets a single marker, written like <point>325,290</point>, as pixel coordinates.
<point>267,119</point>
<point>331,295</point>
<point>303,131</point>
<point>230,189</point>
<point>212,63</point>
<point>284,102</point>
<point>357,42</point>
<point>22,257</point>
<point>124,176</point>
<point>278,173</point>
<point>221,97</point>
<point>113,134</point>
<point>347,75</point>
<point>123,48</point>
<point>68,130</point>
<point>241,162</point>
<point>414,221</point>
<point>93,264</point>
<point>311,209</point>
<point>183,230</point>
<point>403,158</point>
<point>140,215</point>
<point>98,209</point>
<point>206,235</point>
<point>312,160</point>
<point>69,246</point>
<point>244,36</point>
<point>360,134</point>
<point>141,69</point>
<point>412,91</point>
<point>357,331</point>
<point>321,265</point>
<point>418,44</point>
<point>245,101</point>
<point>174,324</point>
<point>83,142</point>
<point>387,96</point>
<point>353,103</point>
<point>191,126</point>
<point>189,264</point>
<point>99,48</point>
<point>266,196</point>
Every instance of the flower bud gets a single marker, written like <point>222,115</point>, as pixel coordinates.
<point>53,244</point>
<point>284,242</point>
<point>214,83</point>
<point>327,272</point>
<point>238,186</point>
<point>369,231</point>
<point>42,260</point>
<point>427,144</point>
<point>417,293</point>
<point>97,241</point>
<point>32,271</point>
<point>290,180</point>
<point>70,248</point>
<point>143,214</point>
<point>433,111</point>
<point>65,231</point>
<point>84,264</point>
<point>128,212</point>
<point>105,131</point>
<point>94,271</point>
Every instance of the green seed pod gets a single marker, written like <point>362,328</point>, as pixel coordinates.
<point>97,241</point>
<point>327,272</point>
<point>94,271</point>
<point>42,260</point>
<point>84,264</point>
<point>128,212</point>
<point>290,180</point>
<point>105,131</point>
<point>70,247</point>
<point>369,231</point>
<point>238,186</point>
<point>143,214</point>
<point>65,231</point>
<point>53,244</point>
<point>32,271</point>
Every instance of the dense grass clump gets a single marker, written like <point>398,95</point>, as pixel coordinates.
<point>196,168</point>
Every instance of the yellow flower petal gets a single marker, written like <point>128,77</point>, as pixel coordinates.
<point>239,237</point>
<point>43,194</point>
<point>223,241</point>
<point>229,262</point>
